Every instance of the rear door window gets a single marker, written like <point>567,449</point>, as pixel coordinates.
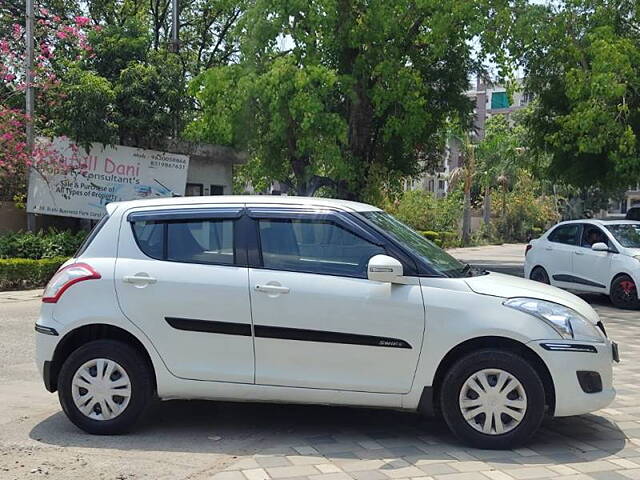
<point>567,234</point>
<point>201,241</point>
<point>178,238</point>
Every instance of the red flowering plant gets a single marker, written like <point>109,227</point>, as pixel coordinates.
<point>58,43</point>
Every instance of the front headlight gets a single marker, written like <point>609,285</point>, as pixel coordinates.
<point>567,322</point>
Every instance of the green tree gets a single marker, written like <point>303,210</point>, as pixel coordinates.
<point>376,81</point>
<point>582,59</point>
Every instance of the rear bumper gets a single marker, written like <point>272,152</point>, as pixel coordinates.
<point>47,338</point>
<point>47,376</point>
<point>570,396</point>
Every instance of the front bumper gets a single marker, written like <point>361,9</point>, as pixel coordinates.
<point>564,365</point>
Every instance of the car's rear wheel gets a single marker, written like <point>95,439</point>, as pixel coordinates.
<point>104,386</point>
<point>624,293</point>
<point>492,399</point>
<point>539,274</point>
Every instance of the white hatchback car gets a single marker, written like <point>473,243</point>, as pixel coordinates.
<point>594,256</point>
<point>284,299</point>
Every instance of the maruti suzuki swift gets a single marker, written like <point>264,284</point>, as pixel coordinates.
<point>309,300</point>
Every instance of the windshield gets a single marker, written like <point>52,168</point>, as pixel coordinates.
<point>433,255</point>
<point>627,234</point>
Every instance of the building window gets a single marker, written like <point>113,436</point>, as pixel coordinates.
<point>217,190</point>
<point>499,100</point>
<point>441,184</point>
<point>430,187</point>
<point>193,190</point>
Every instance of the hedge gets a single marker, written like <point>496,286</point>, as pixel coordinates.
<point>43,244</point>
<point>21,273</point>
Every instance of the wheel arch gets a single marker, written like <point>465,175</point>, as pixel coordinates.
<point>429,402</point>
<point>87,333</point>
<point>618,275</point>
<point>538,265</point>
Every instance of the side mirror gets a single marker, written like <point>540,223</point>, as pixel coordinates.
<point>383,268</point>
<point>600,247</point>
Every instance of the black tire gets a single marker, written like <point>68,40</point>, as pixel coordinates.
<point>510,363</point>
<point>624,293</point>
<point>539,274</point>
<point>136,368</point>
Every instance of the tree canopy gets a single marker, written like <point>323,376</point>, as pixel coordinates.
<point>341,93</point>
<point>581,60</point>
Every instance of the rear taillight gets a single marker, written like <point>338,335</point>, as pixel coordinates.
<point>65,277</point>
<point>527,248</point>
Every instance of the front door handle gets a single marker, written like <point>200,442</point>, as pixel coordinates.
<point>579,253</point>
<point>548,249</point>
<point>138,279</point>
<point>271,289</point>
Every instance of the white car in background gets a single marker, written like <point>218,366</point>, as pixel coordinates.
<point>309,300</point>
<point>596,256</point>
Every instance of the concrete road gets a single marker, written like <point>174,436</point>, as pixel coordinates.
<point>207,440</point>
<point>506,258</point>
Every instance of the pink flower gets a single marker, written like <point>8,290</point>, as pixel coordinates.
<point>17,30</point>
<point>82,21</point>
<point>7,136</point>
<point>61,35</point>
<point>4,46</point>
<point>9,77</point>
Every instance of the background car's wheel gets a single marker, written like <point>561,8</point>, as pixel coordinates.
<point>624,293</point>
<point>104,386</point>
<point>539,274</point>
<point>492,399</point>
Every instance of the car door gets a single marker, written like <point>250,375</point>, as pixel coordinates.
<point>559,250</point>
<point>181,277</point>
<point>591,270</point>
<point>319,322</point>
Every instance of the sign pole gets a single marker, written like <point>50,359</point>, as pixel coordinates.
<point>30,103</point>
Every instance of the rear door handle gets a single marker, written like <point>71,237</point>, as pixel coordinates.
<point>138,279</point>
<point>271,289</point>
<point>548,249</point>
<point>578,253</point>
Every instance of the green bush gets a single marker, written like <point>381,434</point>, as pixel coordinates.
<point>443,239</point>
<point>524,210</point>
<point>19,273</point>
<point>422,211</point>
<point>450,239</point>
<point>49,244</point>
<point>431,235</point>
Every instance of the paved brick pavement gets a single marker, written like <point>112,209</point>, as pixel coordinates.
<point>221,441</point>
<point>317,443</point>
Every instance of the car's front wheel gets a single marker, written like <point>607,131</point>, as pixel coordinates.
<point>624,293</point>
<point>104,386</point>
<point>492,399</point>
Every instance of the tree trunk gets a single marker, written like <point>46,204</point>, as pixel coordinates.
<point>487,205</point>
<point>466,218</point>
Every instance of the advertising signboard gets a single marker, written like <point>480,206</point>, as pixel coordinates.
<point>76,183</point>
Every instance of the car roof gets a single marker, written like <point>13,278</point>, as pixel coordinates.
<point>281,200</point>
<point>594,221</point>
